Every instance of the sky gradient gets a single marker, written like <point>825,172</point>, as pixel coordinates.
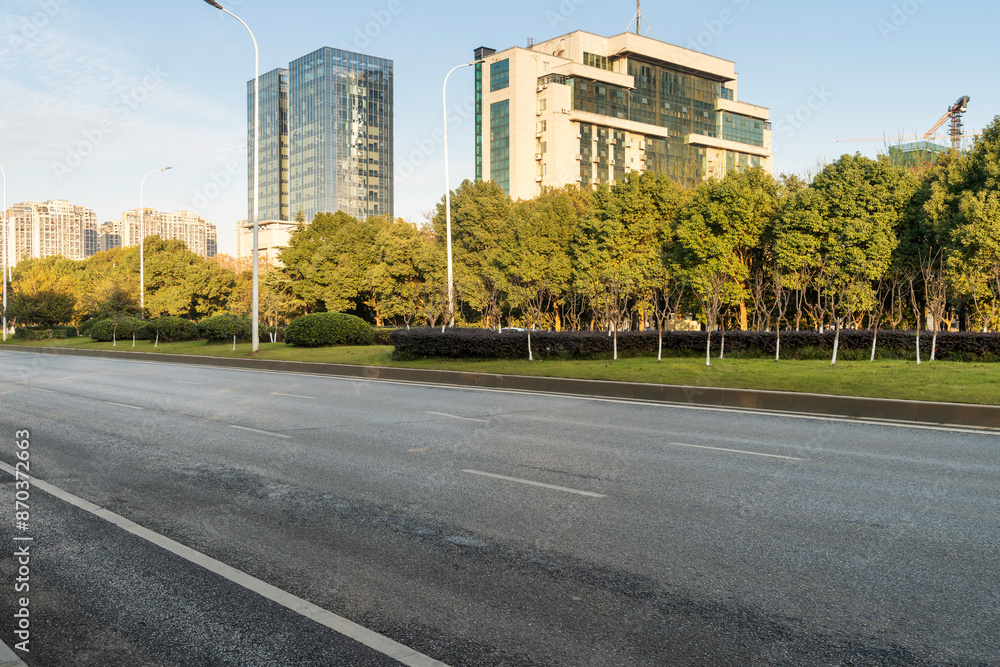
<point>98,93</point>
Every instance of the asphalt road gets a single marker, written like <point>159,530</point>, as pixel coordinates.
<point>665,535</point>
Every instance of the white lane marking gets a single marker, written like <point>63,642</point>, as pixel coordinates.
<point>736,451</point>
<point>119,375</point>
<point>46,391</point>
<point>349,629</point>
<point>8,658</point>
<point>308,398</point>
<point>623,401</point>
<point>198,384</point>
<point>589,494</point>
<point>122,405</point>
<point>253,430</point>
<point>467,419</point>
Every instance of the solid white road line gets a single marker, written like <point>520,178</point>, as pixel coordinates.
<point>45,391</point>
<point>737,451</point>
<point>360,634</point>
<point>308,398</point>
<point>467,419</point>
<point>197,384</point>
<point>589,494</point>
<point>254,430</point>
<point>122,405</point>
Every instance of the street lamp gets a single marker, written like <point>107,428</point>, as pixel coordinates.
<point>6,269</point>
<point>447,195</point>
<point>256,175</point>
<point>142,241</point>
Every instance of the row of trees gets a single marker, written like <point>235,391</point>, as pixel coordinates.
<point>863,243</point>
<point>56,290</point>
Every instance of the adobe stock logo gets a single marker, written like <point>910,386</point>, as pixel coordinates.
<point>900,16</point>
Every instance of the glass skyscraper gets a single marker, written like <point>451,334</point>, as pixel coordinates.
<point>274,149</point>
<point>337,124</point>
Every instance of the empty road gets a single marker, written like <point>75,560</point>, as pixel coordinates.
<point>198,516</point>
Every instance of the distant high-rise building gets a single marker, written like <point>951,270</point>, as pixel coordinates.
<point>272,238</point>
<point>52,228</point>
<point>200,236</point>
<point>335,117</point>
<point>585,109</point>
<point>273,148</point>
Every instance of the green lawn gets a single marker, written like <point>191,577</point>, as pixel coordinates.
<point>940,381</point>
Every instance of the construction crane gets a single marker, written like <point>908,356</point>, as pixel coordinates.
<point>954,114</point>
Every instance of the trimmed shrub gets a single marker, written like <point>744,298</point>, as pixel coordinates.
<point>86,326</point>
<point>383,336</point>
<point>854,344</point>
<point>171,330</point>
<point>220,328</point>
<point>324,329</point>
<point>104,330</point>
<point>40,333</point>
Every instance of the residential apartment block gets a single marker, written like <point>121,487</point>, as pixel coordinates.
<point>200,236</point>
<point>326,137</point>
<point>585,109</point>
<point>51,228</point>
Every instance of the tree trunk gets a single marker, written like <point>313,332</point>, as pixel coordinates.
<point>616,342</point>
<point>744,326</point>
<point>836,344</point>
<point>722,348</point>
<point>918,345</point>
<point>530,357</point>
<point>708,347</point>
<point>157,343</point>
<point>777,347</point>
<point>934,344</point>
<point>874,343</point>
<point>659,354</point>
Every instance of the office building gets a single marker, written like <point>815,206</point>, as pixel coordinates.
<point>327,137</point>
<point>200,236</point>
<point>585,109</point>
<point>51,228</point>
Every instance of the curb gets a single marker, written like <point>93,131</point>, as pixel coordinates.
<point>8,658</point>
<point>884,409</point>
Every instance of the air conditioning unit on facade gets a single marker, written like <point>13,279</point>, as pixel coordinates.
<point>539,89</point>
<point>612,163</point>
<point>538,135</point>
<point>538,156</point>
<point>642,157</point>
<point>642,145</point>
<point>538,113</point>
<point>565,110</point>
<point>538,179</point>
<point>579,157</point>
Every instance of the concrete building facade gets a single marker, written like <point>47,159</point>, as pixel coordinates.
<point>585,109</point>
<point>51,228</point>
<point>272,238</point>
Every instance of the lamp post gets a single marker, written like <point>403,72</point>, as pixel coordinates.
<point>256,176</point>
<point>142,241</point>
<point>6,269</point>
<point>447,196</point>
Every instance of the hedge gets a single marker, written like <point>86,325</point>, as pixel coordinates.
<point>220,328</point>
<point>170,329</point>
<point>104,330</point>
<point>41,333</point>
<point>488,344</point>
<point>324,329</point>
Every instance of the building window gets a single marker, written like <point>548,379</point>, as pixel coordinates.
<point>500,144</point>
<point>499,75</point>
<point>600,62</point>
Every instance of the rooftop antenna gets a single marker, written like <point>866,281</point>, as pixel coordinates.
<point>639,20</point>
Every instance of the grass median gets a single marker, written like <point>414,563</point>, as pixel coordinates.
<point>955,382</point>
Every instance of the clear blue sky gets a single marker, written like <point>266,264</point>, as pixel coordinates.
<point>96,94</point>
